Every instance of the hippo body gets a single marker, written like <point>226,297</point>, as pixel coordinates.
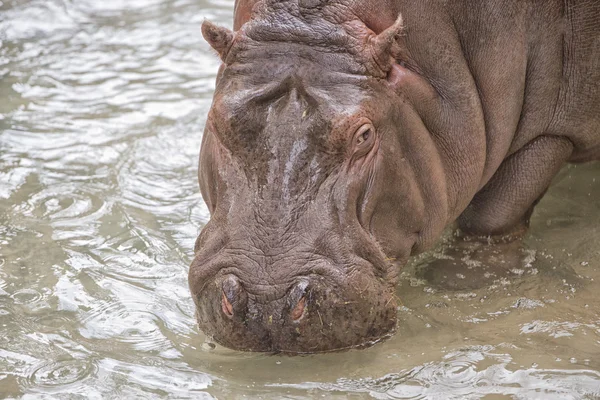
<point>344,136</point>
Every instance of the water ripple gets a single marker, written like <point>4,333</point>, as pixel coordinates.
<point>125,322</point>
<point>468,374</point>
<point>49,374</point>
<point>26,296</point>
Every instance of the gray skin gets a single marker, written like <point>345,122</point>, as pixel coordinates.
<point>345,136</point>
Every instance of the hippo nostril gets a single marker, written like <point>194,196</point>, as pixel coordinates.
<point>297,300</point>
<point>226,306</point>
<point>233,297</point>
<point>298,311</point>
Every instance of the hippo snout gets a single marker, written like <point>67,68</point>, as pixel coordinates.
<point>306,314</point>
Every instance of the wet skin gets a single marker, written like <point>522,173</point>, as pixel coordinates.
<point>344,136</point>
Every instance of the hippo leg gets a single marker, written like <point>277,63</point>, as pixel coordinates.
<point>489,245</point>
<point>505,204</point>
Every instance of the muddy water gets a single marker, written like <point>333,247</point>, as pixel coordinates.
<point>102,105</point>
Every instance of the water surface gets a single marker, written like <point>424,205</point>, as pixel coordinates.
<point>102,108</point>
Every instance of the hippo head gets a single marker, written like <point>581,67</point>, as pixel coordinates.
<point>309,181</point>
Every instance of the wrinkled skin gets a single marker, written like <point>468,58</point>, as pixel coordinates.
<point>344,136</point>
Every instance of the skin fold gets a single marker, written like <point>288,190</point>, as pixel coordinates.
<point>344,136</point>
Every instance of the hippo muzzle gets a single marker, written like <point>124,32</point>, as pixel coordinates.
<point>312,313</point>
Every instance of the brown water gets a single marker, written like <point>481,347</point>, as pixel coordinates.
<point>102,105</point>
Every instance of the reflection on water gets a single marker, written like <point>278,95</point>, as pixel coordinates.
<point>103,105</point>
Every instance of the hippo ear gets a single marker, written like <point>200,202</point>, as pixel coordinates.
<point>383,45</point>
<point>218,37</point>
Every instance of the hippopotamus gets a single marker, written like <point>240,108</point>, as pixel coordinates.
<point>345,135</point>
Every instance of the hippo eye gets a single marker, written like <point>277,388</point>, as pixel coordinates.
<point>364,138</point>
<point>363,135</point>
